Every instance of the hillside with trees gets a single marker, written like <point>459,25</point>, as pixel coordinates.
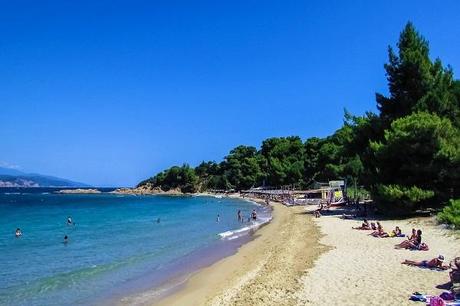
<point>407,155</point>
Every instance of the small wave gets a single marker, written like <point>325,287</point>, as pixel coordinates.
<point>234,234</point>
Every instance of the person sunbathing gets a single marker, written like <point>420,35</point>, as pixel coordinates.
<point>411,243</point>
<point>413,236</point>
<point>396,232</point>
<point>430,264</point>
<point>364,226</point>
<point>379,232</point>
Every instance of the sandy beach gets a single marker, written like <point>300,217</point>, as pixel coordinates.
<point>300,260</point>
<point>265,271</point>
<point>360,269</point>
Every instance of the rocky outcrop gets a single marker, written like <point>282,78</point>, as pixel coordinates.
<point>147,189</point>
<point>79,191</point>
<point>18,182</point>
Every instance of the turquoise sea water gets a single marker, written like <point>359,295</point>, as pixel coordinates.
<point>115,240</point>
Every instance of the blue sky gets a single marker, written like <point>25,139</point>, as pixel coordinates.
<point>110,92</point>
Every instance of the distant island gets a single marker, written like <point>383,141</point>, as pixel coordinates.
<point>79,191</point>
<point>16,178</point>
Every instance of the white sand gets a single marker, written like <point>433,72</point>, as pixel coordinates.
<point>363,270</point>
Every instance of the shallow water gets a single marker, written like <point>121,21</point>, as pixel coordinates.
<point>114,241</point>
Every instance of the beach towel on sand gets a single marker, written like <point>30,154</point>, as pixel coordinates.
<point>432,269</point>
<point>437,301</point>
<point>433,300</point>
<point>421,247</point>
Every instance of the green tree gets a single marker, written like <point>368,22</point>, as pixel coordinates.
<point>417,163</point>
<point>283,160</point>
<point>311,159</point>
<point>183,177</point>
<point>451,213</point>
<point>415,82</point>
<point>241,168</point>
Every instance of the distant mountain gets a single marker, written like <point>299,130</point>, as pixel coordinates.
<point>8,171</point>
<point>16,178</point>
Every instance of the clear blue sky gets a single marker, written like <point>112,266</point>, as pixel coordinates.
<point>110,92</point>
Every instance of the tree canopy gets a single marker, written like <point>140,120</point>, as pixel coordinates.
<point>407,155</point>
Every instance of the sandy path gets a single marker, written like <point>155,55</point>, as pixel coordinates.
<point>266,271</point>
<point>362,270</point>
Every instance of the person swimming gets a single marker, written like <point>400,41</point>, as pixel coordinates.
<point>18,233</point>
<point>66,239</point>
<point>158,220</point>
<point>69,220</point>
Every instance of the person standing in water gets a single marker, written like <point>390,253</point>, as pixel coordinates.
<point>158,220</point>
<point>239,216</point>
<point>218,218</point>
<point>66,239</point>
<point>69,221</point>
<point>254,215</point>
<point>18,233</point>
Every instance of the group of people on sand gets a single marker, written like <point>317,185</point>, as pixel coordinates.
<point>378,230</point>
<point>18,232</point>
<point>414,242</point>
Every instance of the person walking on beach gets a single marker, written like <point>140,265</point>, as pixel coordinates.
<point>239,216</point>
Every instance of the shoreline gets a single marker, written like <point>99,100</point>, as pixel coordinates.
<point>264,270</point>
<point>294,259</point>
<point>181,270</point>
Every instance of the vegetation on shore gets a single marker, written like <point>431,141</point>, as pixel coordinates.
<point>451,213</point>
<point>407,155</point>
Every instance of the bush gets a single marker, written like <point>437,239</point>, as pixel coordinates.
<point>400,200</point>
<point>451,213</point>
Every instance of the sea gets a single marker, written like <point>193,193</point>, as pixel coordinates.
<point>118,245</point>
